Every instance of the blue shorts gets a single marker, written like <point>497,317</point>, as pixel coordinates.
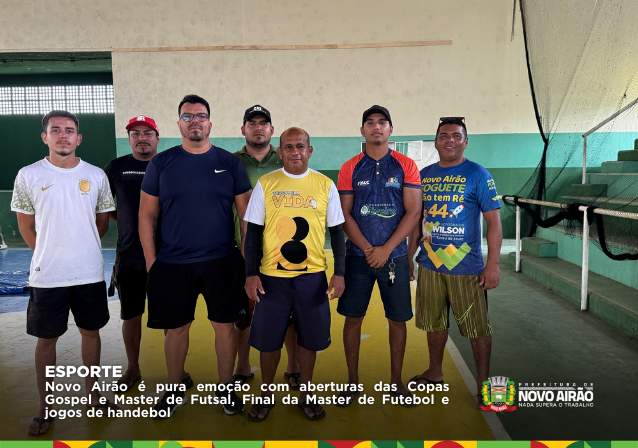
<point>305,296</point>
<point>359,280</point>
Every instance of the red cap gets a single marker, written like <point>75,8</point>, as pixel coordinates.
<point>141,120</point>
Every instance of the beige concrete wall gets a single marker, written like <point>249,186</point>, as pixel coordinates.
<point>481,76</point>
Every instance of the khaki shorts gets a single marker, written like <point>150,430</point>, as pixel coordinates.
<point>435,293</point>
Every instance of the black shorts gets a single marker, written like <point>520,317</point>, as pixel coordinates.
<point>305,297</point>
<point>129,277</point>
<point>48,309</point>
<point>173,289</point>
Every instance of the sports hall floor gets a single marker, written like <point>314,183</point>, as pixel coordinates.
<point>539,337</point>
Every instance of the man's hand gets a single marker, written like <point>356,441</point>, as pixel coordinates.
<point>253,284</point>
<point>378,256</point>
<point>490,277</point>
<point>149,264</point>
<point>411,264</point>
<point>337,285</point>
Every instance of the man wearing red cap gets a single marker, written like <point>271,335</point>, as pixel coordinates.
<point>125,176</point>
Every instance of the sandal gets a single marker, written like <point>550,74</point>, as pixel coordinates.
<point>242,379</point>
<point>313,407</point>
<point>130,383</point>
<point>296,377</point>
<point>40,422</point>
<point>259,408</point>
<point>423,380</point>
<point>350,396</point>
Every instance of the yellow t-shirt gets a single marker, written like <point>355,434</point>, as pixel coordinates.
<point>294,210</point>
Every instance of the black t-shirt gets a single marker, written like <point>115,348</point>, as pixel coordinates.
<point>125,177</point>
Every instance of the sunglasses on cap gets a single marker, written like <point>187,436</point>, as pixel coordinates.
<point>443,119</point>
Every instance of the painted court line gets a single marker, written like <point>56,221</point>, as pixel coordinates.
<point>491,419</point>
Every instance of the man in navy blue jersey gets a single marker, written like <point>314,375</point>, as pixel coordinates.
<point>195,185</point>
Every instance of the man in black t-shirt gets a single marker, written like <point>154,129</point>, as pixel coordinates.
<point>125,176</point>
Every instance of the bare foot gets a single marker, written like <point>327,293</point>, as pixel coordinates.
<point>36,428</point>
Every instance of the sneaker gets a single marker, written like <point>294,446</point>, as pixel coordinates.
<point>236,404</point>
<point>187,380</point>
<point>163,405</point>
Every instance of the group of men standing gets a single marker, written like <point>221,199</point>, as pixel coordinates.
<point>247,231</point>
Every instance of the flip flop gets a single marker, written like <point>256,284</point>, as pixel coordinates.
<point>351,395</point>
<point>259,408</point>
<point>313,407</point>
<point>296,377</point>
<point>129,383</point>
<point>40,422</point>
<point>417,379</point>
<point>242,379</point>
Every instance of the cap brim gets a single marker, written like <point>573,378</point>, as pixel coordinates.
<point>140,123</point>
<point>377,111</point>
<point>254,114</point>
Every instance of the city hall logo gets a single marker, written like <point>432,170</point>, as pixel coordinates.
<point>556,395</point>
<point>498,394</point>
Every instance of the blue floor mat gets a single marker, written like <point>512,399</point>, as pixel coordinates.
<point>14,282</point>
<point>12,260</point>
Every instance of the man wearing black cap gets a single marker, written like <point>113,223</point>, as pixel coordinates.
<point>259,157</point>
<point>381,202</point>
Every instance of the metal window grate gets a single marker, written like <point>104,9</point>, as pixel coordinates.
<point>41,100</point>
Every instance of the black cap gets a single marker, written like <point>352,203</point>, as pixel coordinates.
<point>376,110</point>
<point>256,110</point>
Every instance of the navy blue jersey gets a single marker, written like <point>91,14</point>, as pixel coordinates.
<point>453,199</point>
<point>196,194</point>
<point>377,186</point>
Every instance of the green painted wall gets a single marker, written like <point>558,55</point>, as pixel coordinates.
<point>510,158</point>
<point>571,249</point>
<point>21,142</point>
<point>22,145</point>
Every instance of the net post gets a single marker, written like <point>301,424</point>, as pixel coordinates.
<point>584,159</point>
<point>518,239</point>
<point>585,264</point>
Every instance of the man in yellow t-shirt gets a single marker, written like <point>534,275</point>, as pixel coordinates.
<point>291,207</point>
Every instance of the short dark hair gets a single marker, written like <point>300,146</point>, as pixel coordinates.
<point>193,99</point>
<point>451,120</point>
<point>62,114</point>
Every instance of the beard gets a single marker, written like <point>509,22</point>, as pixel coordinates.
<point>257,144</point>
<point>194,137</point>
<point>63,152</point>
<point>143,149</point>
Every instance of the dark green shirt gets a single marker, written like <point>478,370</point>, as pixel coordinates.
<point>255,169</point>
